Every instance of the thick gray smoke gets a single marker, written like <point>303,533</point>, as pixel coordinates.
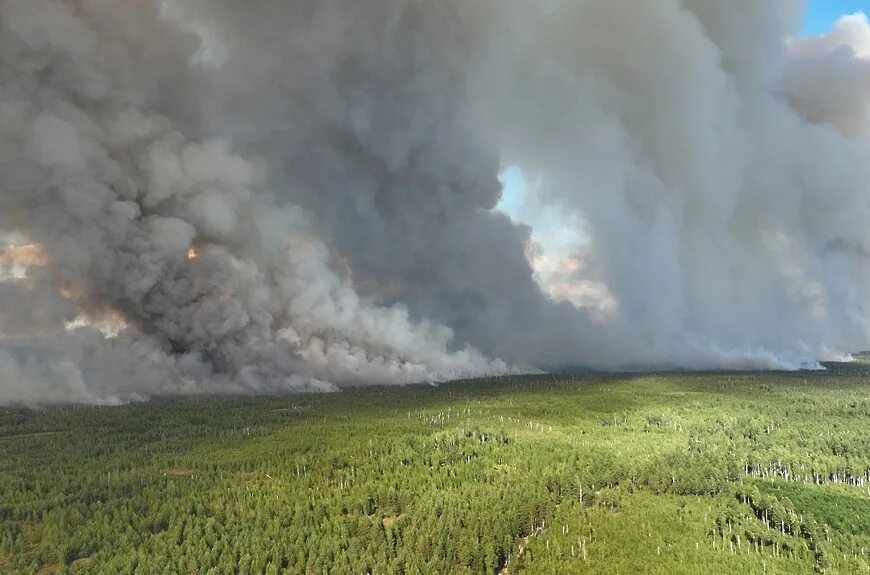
<point>273,195</point>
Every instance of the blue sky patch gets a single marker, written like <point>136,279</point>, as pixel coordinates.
<point>822,13</point>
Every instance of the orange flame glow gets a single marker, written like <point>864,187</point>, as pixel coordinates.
<point>27,255</point>
<point>192,254</point>
<point>69,292</point>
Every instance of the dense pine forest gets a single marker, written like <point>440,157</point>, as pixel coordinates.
<point>653,473</point>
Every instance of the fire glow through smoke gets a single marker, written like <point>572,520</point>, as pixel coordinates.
<point>27,255</point>
<point>332,168</point>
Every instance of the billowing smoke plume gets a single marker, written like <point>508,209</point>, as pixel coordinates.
<point>222,196</point>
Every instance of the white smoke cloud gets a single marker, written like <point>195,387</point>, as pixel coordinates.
<point>827,78</point>
<point>285,196</point>
<point>118,196</point>
<point>725,226</point>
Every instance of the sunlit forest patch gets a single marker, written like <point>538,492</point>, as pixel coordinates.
<point>655,473</point>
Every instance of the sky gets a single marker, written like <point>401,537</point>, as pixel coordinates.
<point>822,13</point>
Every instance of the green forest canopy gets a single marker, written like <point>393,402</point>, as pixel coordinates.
<point>656,473</point>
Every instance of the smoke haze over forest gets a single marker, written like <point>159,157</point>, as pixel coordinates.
<point>205,196</point>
